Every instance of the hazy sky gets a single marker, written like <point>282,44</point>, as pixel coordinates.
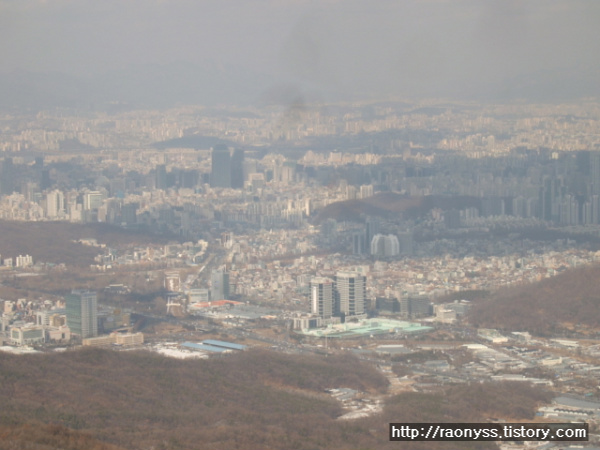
<point>388,46</point>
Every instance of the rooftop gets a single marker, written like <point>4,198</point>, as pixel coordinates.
<point>368,327</point>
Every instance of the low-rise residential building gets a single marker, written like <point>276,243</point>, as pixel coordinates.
<point>125,339</point>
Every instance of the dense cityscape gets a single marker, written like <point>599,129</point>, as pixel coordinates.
<point>369,228</point>
<point>299,225</point>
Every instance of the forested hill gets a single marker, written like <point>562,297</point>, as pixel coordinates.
<point>569,301</point>
<point>392,205</point>
<point>54,242</point>
<point>101,399</point>
<point>136,400</point>
<point>39,436</point>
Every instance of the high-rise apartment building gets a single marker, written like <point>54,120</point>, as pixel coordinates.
<point>7,174</point>
<point>322,297</point>
<point>92,200</point>
<point>237,169</point>
<point>359,243</point>
<point>219,285</point>
<point>373,224</point>
<point>594,170</point>
<point>407,243</point>
<point>351,293</point>
<point>129,213</point>
<point>160,177</point>
<point>55,204</point>
<point>385,245</point>
<point>82,313</point>
<point>220,175</point>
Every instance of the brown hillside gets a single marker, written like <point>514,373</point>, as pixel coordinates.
<point>139,400</point>
<point>470,402</point>
<point>546,307</point>
<point>392,205</point>
<point>249,401</point>
<point>53,241</point>
<point>36,436</point>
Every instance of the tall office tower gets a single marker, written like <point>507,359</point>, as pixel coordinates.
<point>322,297</point>
<point>372,228</point>
<point>595,209</point>
<point>129,213</point>
<point>366,191</point>
<point>188,178</point>
<point>160,177</point>
<point>519,206</point>
<point>452,218</point>
<point>220,175</point>
<point>92,200</point>
<point>7,177</point>
<point>237,169</point>
<point>39,163</point>
<point>569,210</point>
<point>351,293</point>
<point>219,289</point>
<point>549,193</point>
<point>359,243</point>
<point>595,172</point>
<point>55,204</point>
<point>582,162</point>
<point>287,172</point>
<point>45,180</point>
<point>30,190</point>
<point>350,192</point>
<point>407,243</point>
<point>82,313</point>
<point>492,206</point>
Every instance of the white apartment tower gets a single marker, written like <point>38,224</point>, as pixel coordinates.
<point>351,290</point>
<point>385,245</point>
<point>55,204</point>
<point>322,297</point>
